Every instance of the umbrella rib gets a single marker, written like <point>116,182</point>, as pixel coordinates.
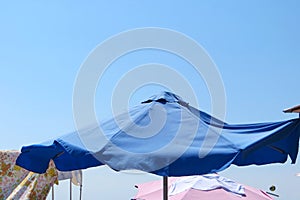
<point>57,155</point>
<point>277,149</point>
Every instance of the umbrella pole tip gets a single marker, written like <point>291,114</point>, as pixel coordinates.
<point>295,109</point>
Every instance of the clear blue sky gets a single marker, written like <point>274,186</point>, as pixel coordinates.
<point>255,45</point>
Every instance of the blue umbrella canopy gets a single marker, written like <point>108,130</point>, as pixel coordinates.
<point>166,136</point>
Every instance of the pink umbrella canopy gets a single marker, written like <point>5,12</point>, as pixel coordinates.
<point>206,187</point>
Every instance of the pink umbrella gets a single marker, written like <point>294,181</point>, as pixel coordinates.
<point>204,187</point>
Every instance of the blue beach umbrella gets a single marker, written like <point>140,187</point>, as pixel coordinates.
<point>166,136</point>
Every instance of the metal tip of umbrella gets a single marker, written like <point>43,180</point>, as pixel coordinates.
<point>295,109</point>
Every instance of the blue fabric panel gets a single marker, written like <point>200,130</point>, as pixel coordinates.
<point>165,136</point>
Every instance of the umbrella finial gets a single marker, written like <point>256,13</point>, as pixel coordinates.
<point>272,188</point>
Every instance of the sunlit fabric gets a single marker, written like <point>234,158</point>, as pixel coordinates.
<point>166,136</point>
